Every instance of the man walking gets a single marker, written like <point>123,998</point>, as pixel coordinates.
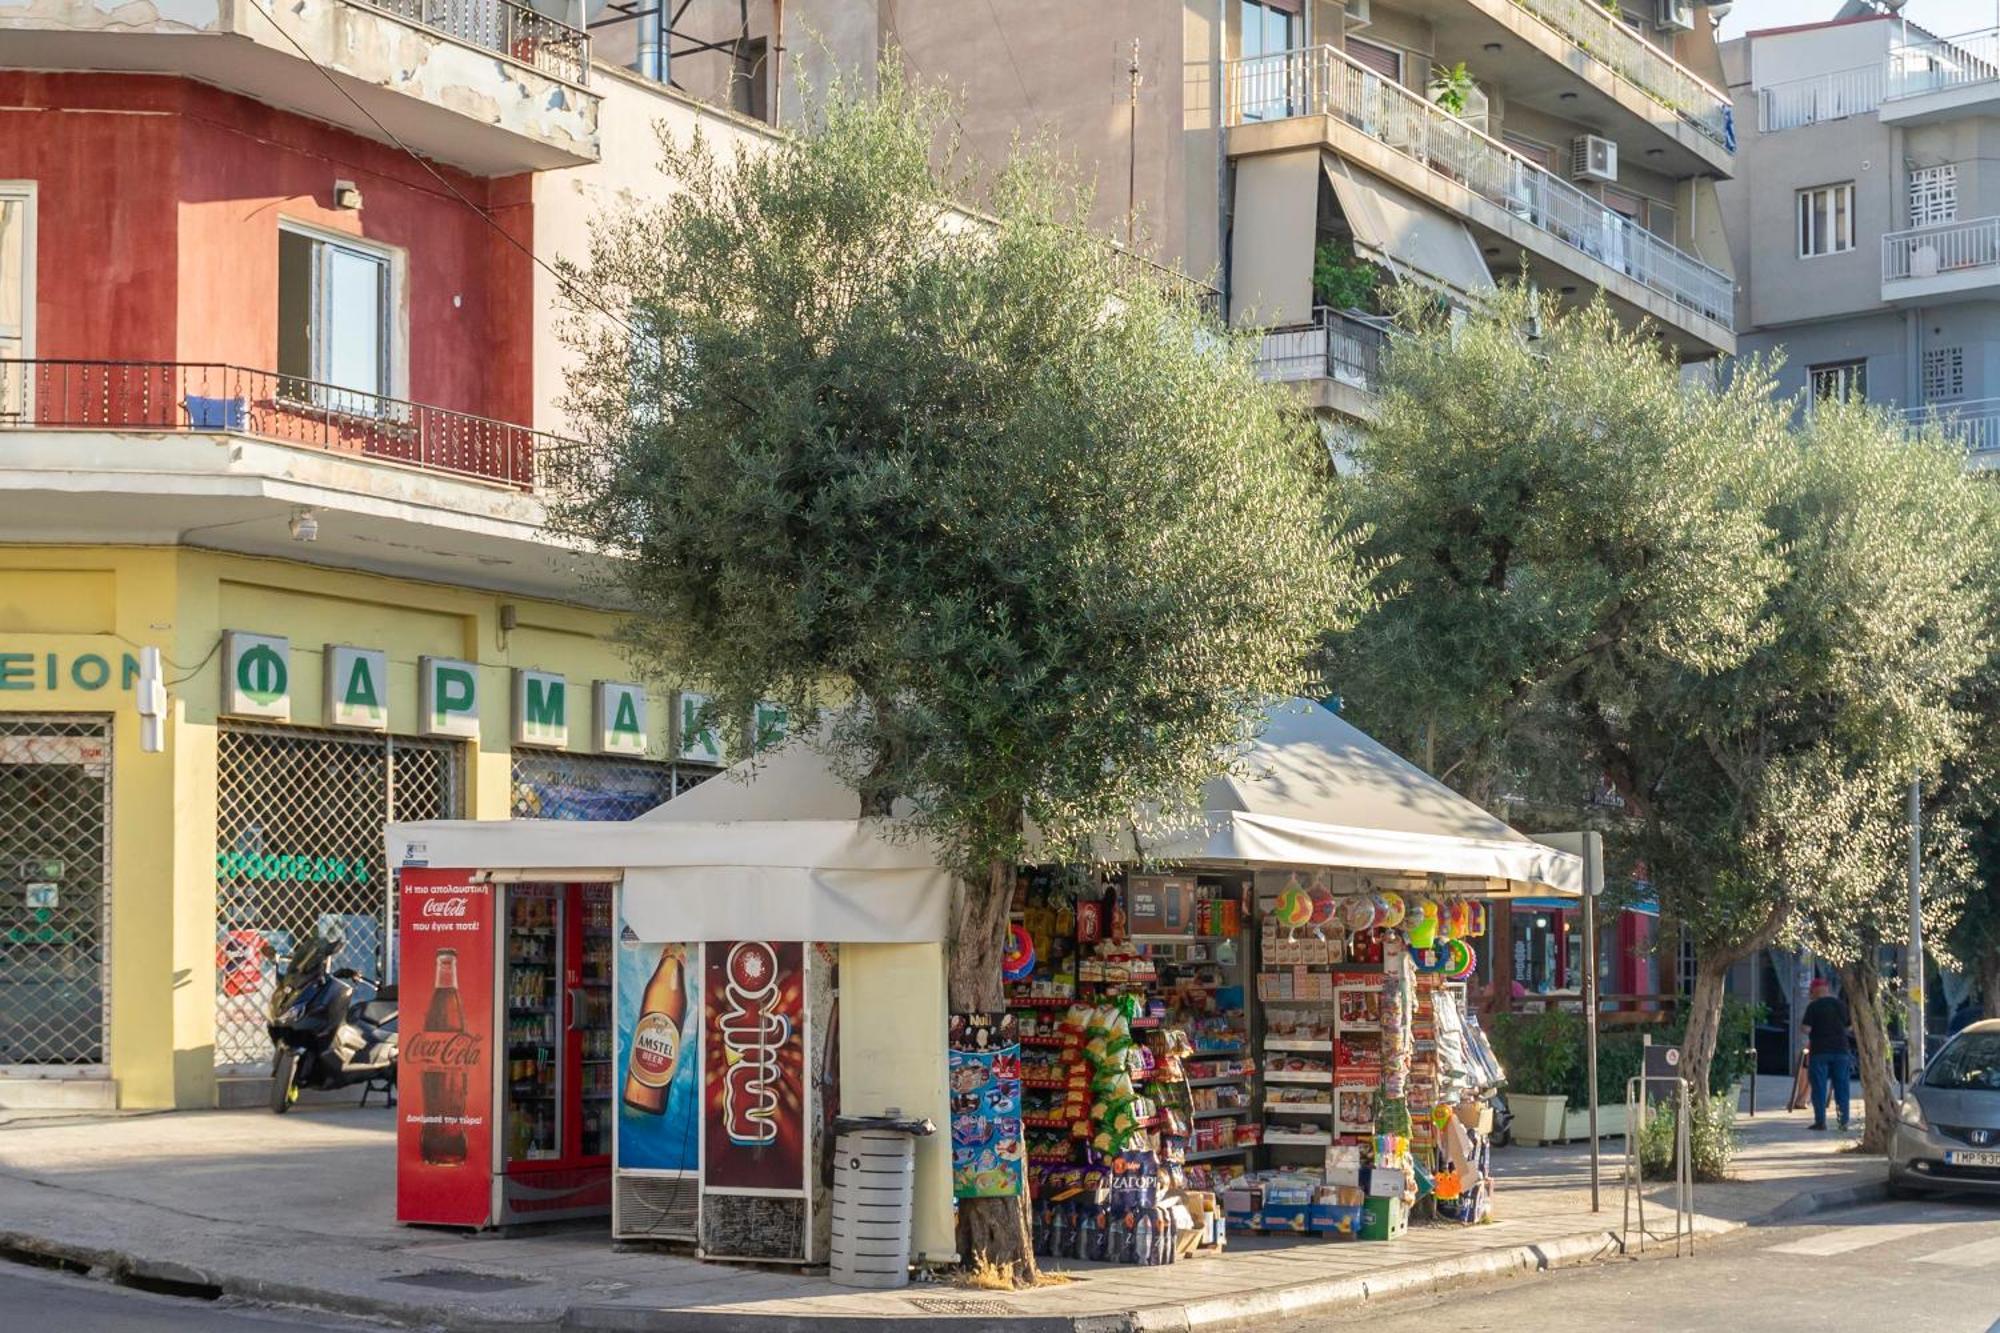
<point>1832,1055</point>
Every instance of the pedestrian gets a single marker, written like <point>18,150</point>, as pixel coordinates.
<point>1831,1052</point>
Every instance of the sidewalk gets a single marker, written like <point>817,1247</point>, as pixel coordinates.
<point>298,1210</point>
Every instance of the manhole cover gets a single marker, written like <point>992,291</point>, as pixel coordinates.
<point>945,1305</point>
<point>458,1280</point>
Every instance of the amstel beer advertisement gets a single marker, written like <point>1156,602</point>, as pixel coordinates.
<point>659,1008</point>
<point>444,1127</point>
<point>755,1058</point>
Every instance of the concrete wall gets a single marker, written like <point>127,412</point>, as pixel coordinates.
<point>1781,55</point>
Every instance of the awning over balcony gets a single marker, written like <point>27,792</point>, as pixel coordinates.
<point>1404,234</point>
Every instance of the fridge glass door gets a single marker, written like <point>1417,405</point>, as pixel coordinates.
<point>592,1021</point>
<point>534,1024</point>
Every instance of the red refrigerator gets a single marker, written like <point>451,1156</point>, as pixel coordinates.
<point>506,1087</point>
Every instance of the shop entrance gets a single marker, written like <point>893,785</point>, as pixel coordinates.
<point>55,886</point>
<point>299,818</point>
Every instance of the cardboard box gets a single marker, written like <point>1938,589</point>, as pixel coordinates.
<point>1384,1219</point>
<point>1387,1182</point>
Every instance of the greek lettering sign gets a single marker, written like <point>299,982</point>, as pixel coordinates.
<point>52,671</point>
<point>541,708</point>
<point>447,697</point>
<point>698,744</point>
<point>357,687</point>
<point>621,717</point>
<point>256,675</point>
<point>768,725</point>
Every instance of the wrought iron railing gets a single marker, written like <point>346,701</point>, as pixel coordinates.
<point>1973,422</point>
<point>1320,81</point>
<point>1646,67</point>
<point>522,34</point>
<point>1942,247</point>
<point>182,396</point>
<point>1336,346</point>
<point>1823,97</point>
<point>1933,64</point>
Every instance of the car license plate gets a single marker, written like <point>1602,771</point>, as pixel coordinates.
<point>1972,1159</point>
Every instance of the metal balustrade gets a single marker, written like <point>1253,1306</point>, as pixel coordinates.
<point>1972,422</point>
<point>1336,345</point>
<point>1942,247</point>
<point>147,396</point>
<point>528,36</point>
<point>1646,67</point>
<point>1320,81</point>
<point>1935,64</point>
<point>1799,102</point>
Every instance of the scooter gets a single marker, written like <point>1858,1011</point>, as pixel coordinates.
<point>332,1028</point>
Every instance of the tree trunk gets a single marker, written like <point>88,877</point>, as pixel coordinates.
<point>1704,1023</point>
<point>990,1231</point>
<point>1863,984</point>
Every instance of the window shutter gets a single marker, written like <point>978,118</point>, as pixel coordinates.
<point>1384,60</point>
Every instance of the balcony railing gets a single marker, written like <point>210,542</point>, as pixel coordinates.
<point>1934,64</point>
<point>1335,346</point>
<point>175,396</point>
<point>1941,248</point>
<point>1320,81</point>
<point>547,45</point>
<point>1973,422</point>
<point>1645,66</point>
<point>1824,97</point>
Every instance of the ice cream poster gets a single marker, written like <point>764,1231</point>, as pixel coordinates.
<point>988,1150</point>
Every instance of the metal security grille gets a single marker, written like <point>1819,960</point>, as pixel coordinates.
<point>299,851</point>
<point>587,786</point>
<point>55,890</point>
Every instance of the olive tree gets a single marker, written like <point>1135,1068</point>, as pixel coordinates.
<point>1022,527</point>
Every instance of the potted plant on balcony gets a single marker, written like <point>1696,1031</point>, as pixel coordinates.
<point>1451,88</point>
<point>1343,280</point>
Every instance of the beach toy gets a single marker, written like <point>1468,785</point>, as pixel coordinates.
<point>1390,909</point>
<point>1294,908</point>
<point>1359,913</point>
<point>1423,924</point>
<point>1324,909</point>
<point>1019,959</point>
<point>1477,925</point>
<point>1460,960</point>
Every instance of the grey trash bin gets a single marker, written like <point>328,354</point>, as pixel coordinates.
<point>874,1174</point>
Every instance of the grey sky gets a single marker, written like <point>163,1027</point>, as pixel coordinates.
<point>1944,17</point>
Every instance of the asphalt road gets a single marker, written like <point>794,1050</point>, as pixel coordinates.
<point>1929,1266</point>
<point>33,1298</point>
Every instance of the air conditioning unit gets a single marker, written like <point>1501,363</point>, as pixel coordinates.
<point>1593,159</point>
<point>1359,15</point>
<point>1674,16</point>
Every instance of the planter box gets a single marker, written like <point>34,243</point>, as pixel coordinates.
<point>1537,1120</point>
<point>1610,1122</point>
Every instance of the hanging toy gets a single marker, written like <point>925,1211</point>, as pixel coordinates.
<point>1294,909</point>
<point>1019,959</point>
<point>1324,909</point>
<point>1423,924</point>
<point>1476,927</point>
<point>1391,909</point>
<point>1460,960</point>
<point>1459,921</point>
<point>1359,913</point>
<point>1429,960</point>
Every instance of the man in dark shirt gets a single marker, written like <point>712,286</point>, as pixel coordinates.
<point>1832,1054</point>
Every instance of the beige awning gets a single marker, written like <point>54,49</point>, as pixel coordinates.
<point>1404,234</point>
<point>1271,239</point>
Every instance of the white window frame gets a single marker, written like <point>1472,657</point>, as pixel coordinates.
<point>1805,237</point>
<point>1933,195</point>
<point>25,192</point>
<point>1843,380</point>
<point>396,305</point>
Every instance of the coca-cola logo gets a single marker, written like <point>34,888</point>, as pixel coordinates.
<point>441,1050</point>
<point>452,907</point>
<point>753,1034</point>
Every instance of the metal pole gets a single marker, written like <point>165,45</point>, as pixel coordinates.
<point>1132,149</point>
<point>1913,973</point>
<point>1593,884</point>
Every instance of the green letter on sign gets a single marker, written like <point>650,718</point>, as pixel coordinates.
<point>450,696</point>
<point>256,675</point>
<point>357,687</point>
<point>621,717</point>
<point>541,708</point>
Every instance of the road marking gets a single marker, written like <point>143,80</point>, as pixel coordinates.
<point>1978,1254</point>
<point>1852,1238</point>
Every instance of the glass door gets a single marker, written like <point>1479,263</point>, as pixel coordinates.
<point>590,1020</point>
<point>534,1029</point>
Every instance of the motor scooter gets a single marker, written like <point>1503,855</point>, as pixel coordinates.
<point>331,1027</point>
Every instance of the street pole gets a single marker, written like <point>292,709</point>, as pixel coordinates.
<point>1132,149</point>
<point>1593,884</point>
<point>1913,967</point>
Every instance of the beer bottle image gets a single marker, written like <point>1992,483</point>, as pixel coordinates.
<point>445,1052</point>
<point>656,1037</point>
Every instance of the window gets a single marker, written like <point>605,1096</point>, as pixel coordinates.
<point>1268,27</point>
<point>1843,380</point>
<point>1269,89</point>
<point>335,330</point>
<point>1661,220</point>
<point>1944,374</point>
<point>1826,220</point>
<point>1384,60</point>
<point>17,292</point>
<point>1934,195</point>
<point>749,89</point>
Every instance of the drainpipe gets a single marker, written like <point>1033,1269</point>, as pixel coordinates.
<point>1223,210</point>
<point>652,60</point>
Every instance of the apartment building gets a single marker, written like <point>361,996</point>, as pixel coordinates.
<point>278,395</point>
<point>1866,221</point>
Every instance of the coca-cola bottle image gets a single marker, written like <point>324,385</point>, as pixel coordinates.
<point>444,1051</point>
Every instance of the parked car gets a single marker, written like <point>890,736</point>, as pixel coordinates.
<point>1947,1131</point>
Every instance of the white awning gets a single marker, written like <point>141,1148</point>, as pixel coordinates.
<point>1401,232</point>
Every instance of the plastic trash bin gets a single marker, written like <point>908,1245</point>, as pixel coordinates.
<point>874,1174</point>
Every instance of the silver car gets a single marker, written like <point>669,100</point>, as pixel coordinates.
<point>1947,1132</point>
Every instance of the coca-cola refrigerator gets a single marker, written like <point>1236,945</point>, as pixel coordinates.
<point>505,1090</point>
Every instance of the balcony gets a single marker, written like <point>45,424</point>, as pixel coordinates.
<point>1336,359</point>
<point>1973,423</point>
<point>1941,262</point>
<point>1936,78</point>
<point>489,86</point>
<point>1694,101</point>
<point>1503,195</point>
<point>1797,103</point>
<point>155,396</point>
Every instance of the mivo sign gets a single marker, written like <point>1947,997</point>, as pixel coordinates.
<point>754,1031</point>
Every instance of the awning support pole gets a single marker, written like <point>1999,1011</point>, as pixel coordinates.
<point>1593,884</point>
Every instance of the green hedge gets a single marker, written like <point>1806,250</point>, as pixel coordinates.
<point>1543,1053</point>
